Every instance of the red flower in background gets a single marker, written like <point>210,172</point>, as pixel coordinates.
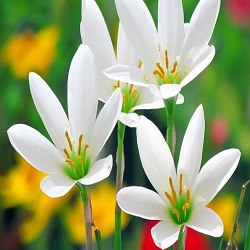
<point>195,240</point>
<point>239,11</point>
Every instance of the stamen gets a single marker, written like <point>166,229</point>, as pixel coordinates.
<point>172,188</point>
<point>115,87</point>
<point>85,149</point>
<point>71,163</point>
<point>170,199</point>
<point>176,74</point>
<point>180,183</point>
<point>124,99</point>
<point>188,196</point>
<point>66,153</point>
<point>166,58</point>
<point>185,206</point>
<point>174,67</point>
<point>69,141</point>
<point>160,68</point>
<point>134,93</point>
<point>118,84</point>
<point>157,72</point>
<point>166,79</point>
<point>130,89</point>
<point>80,159</point>
<point>140,64</point>
<point>80,144</point>
<point>176,212</point>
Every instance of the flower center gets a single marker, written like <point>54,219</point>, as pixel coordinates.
<point>169,75</point>
<point>180,206</point>
<point>77,162</point>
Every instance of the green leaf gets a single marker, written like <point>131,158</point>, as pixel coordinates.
<point>220,246</point>
<point>247,241</point>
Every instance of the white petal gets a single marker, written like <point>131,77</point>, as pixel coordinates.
<point>131,120</point>
<point>206,221</point>
<point>142,202</point>
<point>56,185</point>
<point>125,52</point>
<point>191,149</point>
<point>165,234</point>
<point>82,93</point>
<point>155,155</point>
<point>50,110</point>
<point>35,148</point>
<point>125,73</point>
<point>200,28</point>
<point>180,99</point>
<point>165,91</point>
<point>106,122</point>
<point>99,171</point>
<point>215,174</point>
<point>170,27</point>
<point>200,64</point>
<point>94,33</point>
<point>140,30</point>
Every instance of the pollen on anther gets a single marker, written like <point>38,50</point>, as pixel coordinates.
<point>134,93</point>
<point>71,163</point>
<point>66,153</point>
<point>157,72</point>
<point>160,68</point>
<point>176,74</point>
<point>172,188</point>
<point>69,141</point>
<point>80,159</point>
<point>166,58</point>
<point>180,184</point>
<point>186,206</point>
<point>118,84</point>
<point>85,149</point>
<point>166,79</point>
<point>80,144</point>
<point>174,67</point>
<point>188,196</point>
<point>140,64</point>
<point>176,212</point>
<point>131,88</point>
<point>170,199</point>
<point>124,99</point>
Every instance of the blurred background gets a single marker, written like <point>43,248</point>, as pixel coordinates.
<point>42,36</point>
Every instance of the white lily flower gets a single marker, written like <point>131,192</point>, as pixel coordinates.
<point>77,140</point>
<point>181,196</point>
<point>176,54</point>
<point>95,34</point>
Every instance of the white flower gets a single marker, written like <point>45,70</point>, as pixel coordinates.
<point>95,34</point>
<point>181,197</point>
<point>177,54</point>
<point>77,140</point>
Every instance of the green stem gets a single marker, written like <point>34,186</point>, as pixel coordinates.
<point>98,238</point>
<point>85,196</point>
<point>182,238</point>
<point>119,181</point>
<point>170,110</point>
<point>247,241</point>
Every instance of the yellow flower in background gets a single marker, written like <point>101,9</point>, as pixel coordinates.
<point>103,208</point>
<point>225,206</point>
<point>31,52</point>
<point>21,187</point>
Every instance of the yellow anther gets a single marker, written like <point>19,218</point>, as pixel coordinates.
<point>66,153</point>
<point>80,159</point>
<point>172,188</point>
<point>124,99</point>
<point>131,88</point>
<point>134,93</point>
<point>140,64</point>
<point>71,163</point>
<point>80,144</point>
<point>185,206</point>
<point>188,196</point>
<point>115,86</point>
<point>170,199</point>
<point>176,212</point>
<point>118,84</point>
<point>166,79</point>
<point>160,68</point>
<point>176,74</point>
<point>157,72</point>
<point>85,149</point>
<point>174,67</point>
<point>69,141</point>
<point>180,184</point>
<point>166,58</point>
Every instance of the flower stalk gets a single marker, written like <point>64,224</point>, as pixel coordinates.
<point>85,196</point>
<point>119,181</point>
